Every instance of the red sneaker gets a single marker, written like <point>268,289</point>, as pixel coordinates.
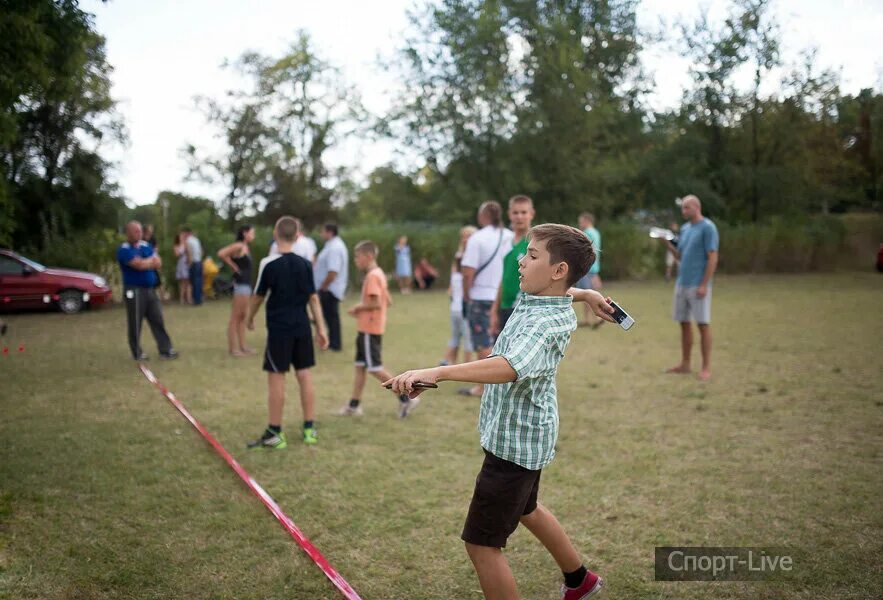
<point>590,586</point>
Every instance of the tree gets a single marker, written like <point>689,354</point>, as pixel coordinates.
<point>277,134</point>
<point>513,97</point>
<point>56,112</point>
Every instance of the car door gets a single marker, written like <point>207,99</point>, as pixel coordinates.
<point>15,289</point>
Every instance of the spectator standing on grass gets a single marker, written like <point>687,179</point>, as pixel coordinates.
<point>403,265</point>
<point>697,250</point>
<point>238,257</point>
<point>482,266</point>
<point>592,279</point>
<point>288,279</point>
<point>370,315</point>
<point>194,264</point>
<point>139,264</point>
<point>331,274</point>
<point>182,271</point>
<point>521,214</point>
<point>425,274</point>
<point>459,324</point>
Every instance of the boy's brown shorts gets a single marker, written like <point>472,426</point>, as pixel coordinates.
<point>504,492</point>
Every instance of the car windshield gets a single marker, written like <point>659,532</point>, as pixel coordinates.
<point>34,265</point>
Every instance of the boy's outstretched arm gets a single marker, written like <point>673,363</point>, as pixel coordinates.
<point>495,369</point>
<point>598,303</point>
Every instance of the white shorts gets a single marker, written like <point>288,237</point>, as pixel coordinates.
<point>687,307</point>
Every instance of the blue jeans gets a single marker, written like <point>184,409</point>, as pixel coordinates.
<point>196,282</point>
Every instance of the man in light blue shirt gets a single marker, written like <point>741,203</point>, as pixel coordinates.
<point>697,250</point>
<point>330,274</point>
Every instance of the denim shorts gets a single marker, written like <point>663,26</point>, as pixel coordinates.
<point>479,316</point>
<point>241,289</point>
<point>460,331</point>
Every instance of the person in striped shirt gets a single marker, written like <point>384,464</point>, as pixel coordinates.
<point>518,420</point>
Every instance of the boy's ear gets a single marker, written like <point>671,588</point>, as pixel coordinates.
<point>561,271</point>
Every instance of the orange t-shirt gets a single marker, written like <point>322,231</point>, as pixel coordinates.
<point>374,321</point>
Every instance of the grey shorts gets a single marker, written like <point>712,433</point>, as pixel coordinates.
<point>480,323</point>
<point>460,331</point>
<point>687,307</point>
<point>241,289</point>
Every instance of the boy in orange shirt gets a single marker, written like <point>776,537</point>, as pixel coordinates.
<point>370,314</point>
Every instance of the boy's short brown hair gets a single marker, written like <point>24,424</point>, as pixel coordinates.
<point>367,247</point>
<point>286,228</point>
<point>520,199</point>
<point>566,244</point>
<point>493,211</point>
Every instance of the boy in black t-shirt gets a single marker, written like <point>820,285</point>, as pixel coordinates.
<point>289,280</point>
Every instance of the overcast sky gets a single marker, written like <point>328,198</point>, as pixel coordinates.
<point>165,52</point>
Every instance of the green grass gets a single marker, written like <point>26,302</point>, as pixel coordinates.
<point>107,492</point>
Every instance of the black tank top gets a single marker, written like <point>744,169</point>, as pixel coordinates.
<point>244,274</point>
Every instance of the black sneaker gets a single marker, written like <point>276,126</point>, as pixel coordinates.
<point>270,439</point>
<point>170,355</point>
<point>141,357</point>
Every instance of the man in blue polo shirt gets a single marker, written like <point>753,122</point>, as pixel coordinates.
<point>697,250</point>
<point>139,264</point>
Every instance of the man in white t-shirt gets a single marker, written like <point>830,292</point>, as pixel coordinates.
<point>304,246</point>
<point>482,267</point>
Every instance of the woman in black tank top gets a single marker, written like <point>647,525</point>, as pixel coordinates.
<point>238,256</point>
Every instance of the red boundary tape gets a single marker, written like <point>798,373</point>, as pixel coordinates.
<point>336,578</point>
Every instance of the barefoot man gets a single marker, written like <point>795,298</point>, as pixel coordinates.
<point>697,250</point>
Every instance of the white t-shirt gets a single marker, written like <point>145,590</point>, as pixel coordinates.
<point>457,293</point>
<point>479,249</point>
<point>195,248</point>
<point>305,247</point>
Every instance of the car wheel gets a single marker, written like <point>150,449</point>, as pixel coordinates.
<point>70,301</point>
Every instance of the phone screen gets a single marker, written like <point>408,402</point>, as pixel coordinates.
<point>620,316</point>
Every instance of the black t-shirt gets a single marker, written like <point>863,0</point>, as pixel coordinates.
<point>288,279</point>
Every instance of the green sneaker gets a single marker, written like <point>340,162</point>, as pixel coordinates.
<point>310,436</point>
<point>270,440</point>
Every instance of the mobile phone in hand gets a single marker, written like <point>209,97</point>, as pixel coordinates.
<point>620,316</point>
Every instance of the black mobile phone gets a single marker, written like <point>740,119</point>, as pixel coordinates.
<point>620,316</point>
<point>420,385</point>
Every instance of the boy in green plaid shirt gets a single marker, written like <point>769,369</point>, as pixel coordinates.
<point>518,421</point>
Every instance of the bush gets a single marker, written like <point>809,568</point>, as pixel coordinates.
<point>93,251</point>
<point>816,243</point>
<point>438,243</point>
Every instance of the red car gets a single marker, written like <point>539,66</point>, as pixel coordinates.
<point>28,284</point>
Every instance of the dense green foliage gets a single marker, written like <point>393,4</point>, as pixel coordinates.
<point>55,109</point>
<point>503,97</point>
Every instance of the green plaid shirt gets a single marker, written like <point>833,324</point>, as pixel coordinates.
<point>518,421</point>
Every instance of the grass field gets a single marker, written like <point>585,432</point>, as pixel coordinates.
<point>107,492</point>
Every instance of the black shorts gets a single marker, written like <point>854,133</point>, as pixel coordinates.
<point>368,346</point>
<point>285,351</point>
<point>504,492</point>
